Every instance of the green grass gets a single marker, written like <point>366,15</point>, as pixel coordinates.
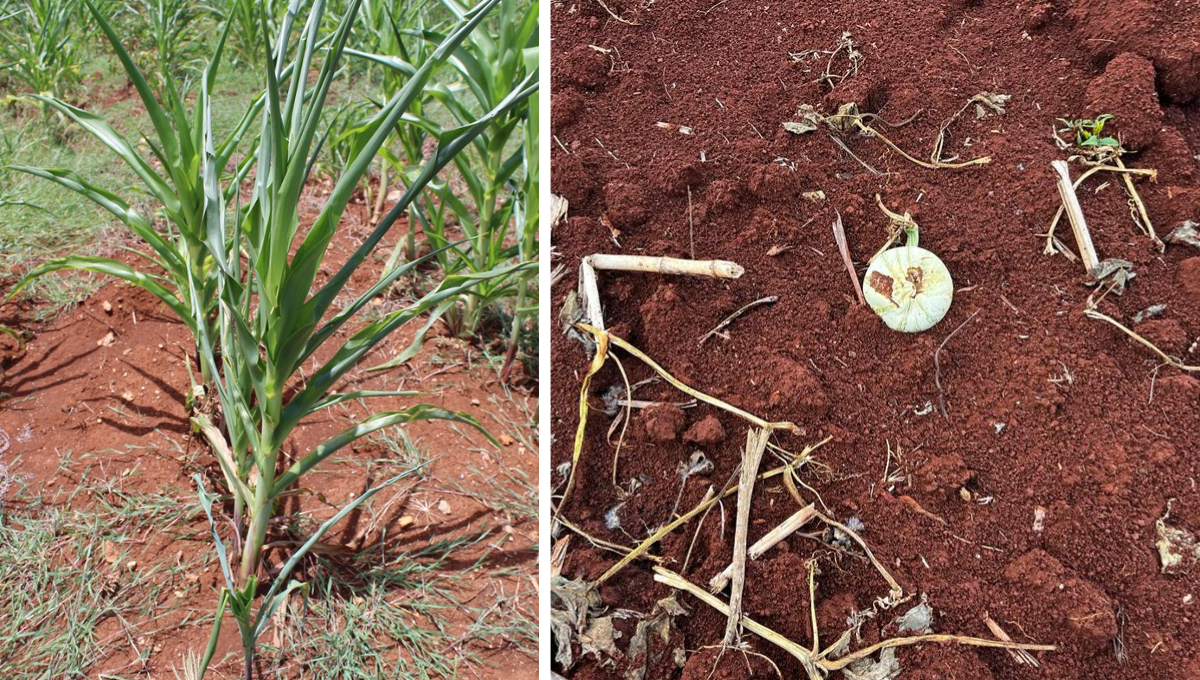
<point>391,619</point>
<point>377,614</point>
<point>59,587</point>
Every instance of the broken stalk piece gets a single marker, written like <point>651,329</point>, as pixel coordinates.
<point>786,528</point>
<point>720,269</point>
<point>1083,238</point>
<point>756,445</point>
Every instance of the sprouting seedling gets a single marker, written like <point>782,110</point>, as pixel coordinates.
<point>1089,132</point>
<point>908,287</point>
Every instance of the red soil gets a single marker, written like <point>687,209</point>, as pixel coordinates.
<point>1045,407</point>
<point>76,396</point>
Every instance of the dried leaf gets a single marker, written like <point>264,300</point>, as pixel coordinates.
<point>1113,271</point>
<point>1177,548</point>
<point>572,604</point>
<point>799,128</point>
<point>1187,233</point>
<point>887,668</point>
<point>918,620</point>
<point>994,101</point>
<point>808,120</point>
<point>600,639</point>
<point>641,654</point>
<point>1149,313</point>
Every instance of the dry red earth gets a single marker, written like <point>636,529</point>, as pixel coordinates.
<point>1044,408</point>
<point>67,396</point>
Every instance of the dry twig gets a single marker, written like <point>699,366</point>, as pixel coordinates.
<point>839,235</point>
<point>769,300</point>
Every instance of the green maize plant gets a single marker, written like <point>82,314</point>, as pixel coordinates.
<point>169,35</point>
<point>248,32</point>
<point>527,222</point>
<point>182,254</point>
<point>40,45</point>
<point>491,64</point>
<point>400,60</point>
<point>269,321</point>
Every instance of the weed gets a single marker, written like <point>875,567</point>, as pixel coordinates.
<point>1089,132</point>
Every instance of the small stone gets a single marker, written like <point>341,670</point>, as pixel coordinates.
<point>706,431</point>
<point>662,422</point>
<point>506,440</point>
<point>443,507</point>
<point>107,340</point>
<point>405,521</point>
<point>106,306</point>
<point>131,565</point>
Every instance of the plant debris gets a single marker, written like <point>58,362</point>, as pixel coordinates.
<point>1149,313</point>
<point>573,605</point>
<point>1187,233</point>
<point>642,655</point>
<point>1178,549</point>
<point>886,668</point>
<point>918,620</point>
<point>1114,271</point>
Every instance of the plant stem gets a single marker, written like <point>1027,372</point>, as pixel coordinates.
<point>515,338</point>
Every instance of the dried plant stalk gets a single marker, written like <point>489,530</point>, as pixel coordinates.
<point>818,667</point>
<point>1083,238</point>
<point>678,582</point>
<point>756,445</point>
<point>842,662</point>
<point>1019,655</point>
<point>720,269</point>
<point>625,345</point>
<point>786,528</point>
<point>1093,314</point>
<point>1139,208</point>
<point>1051,246</point>
<point>657,536</point>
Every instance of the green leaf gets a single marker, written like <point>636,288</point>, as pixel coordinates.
<point>111,267</point>
<point>373,423</point>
